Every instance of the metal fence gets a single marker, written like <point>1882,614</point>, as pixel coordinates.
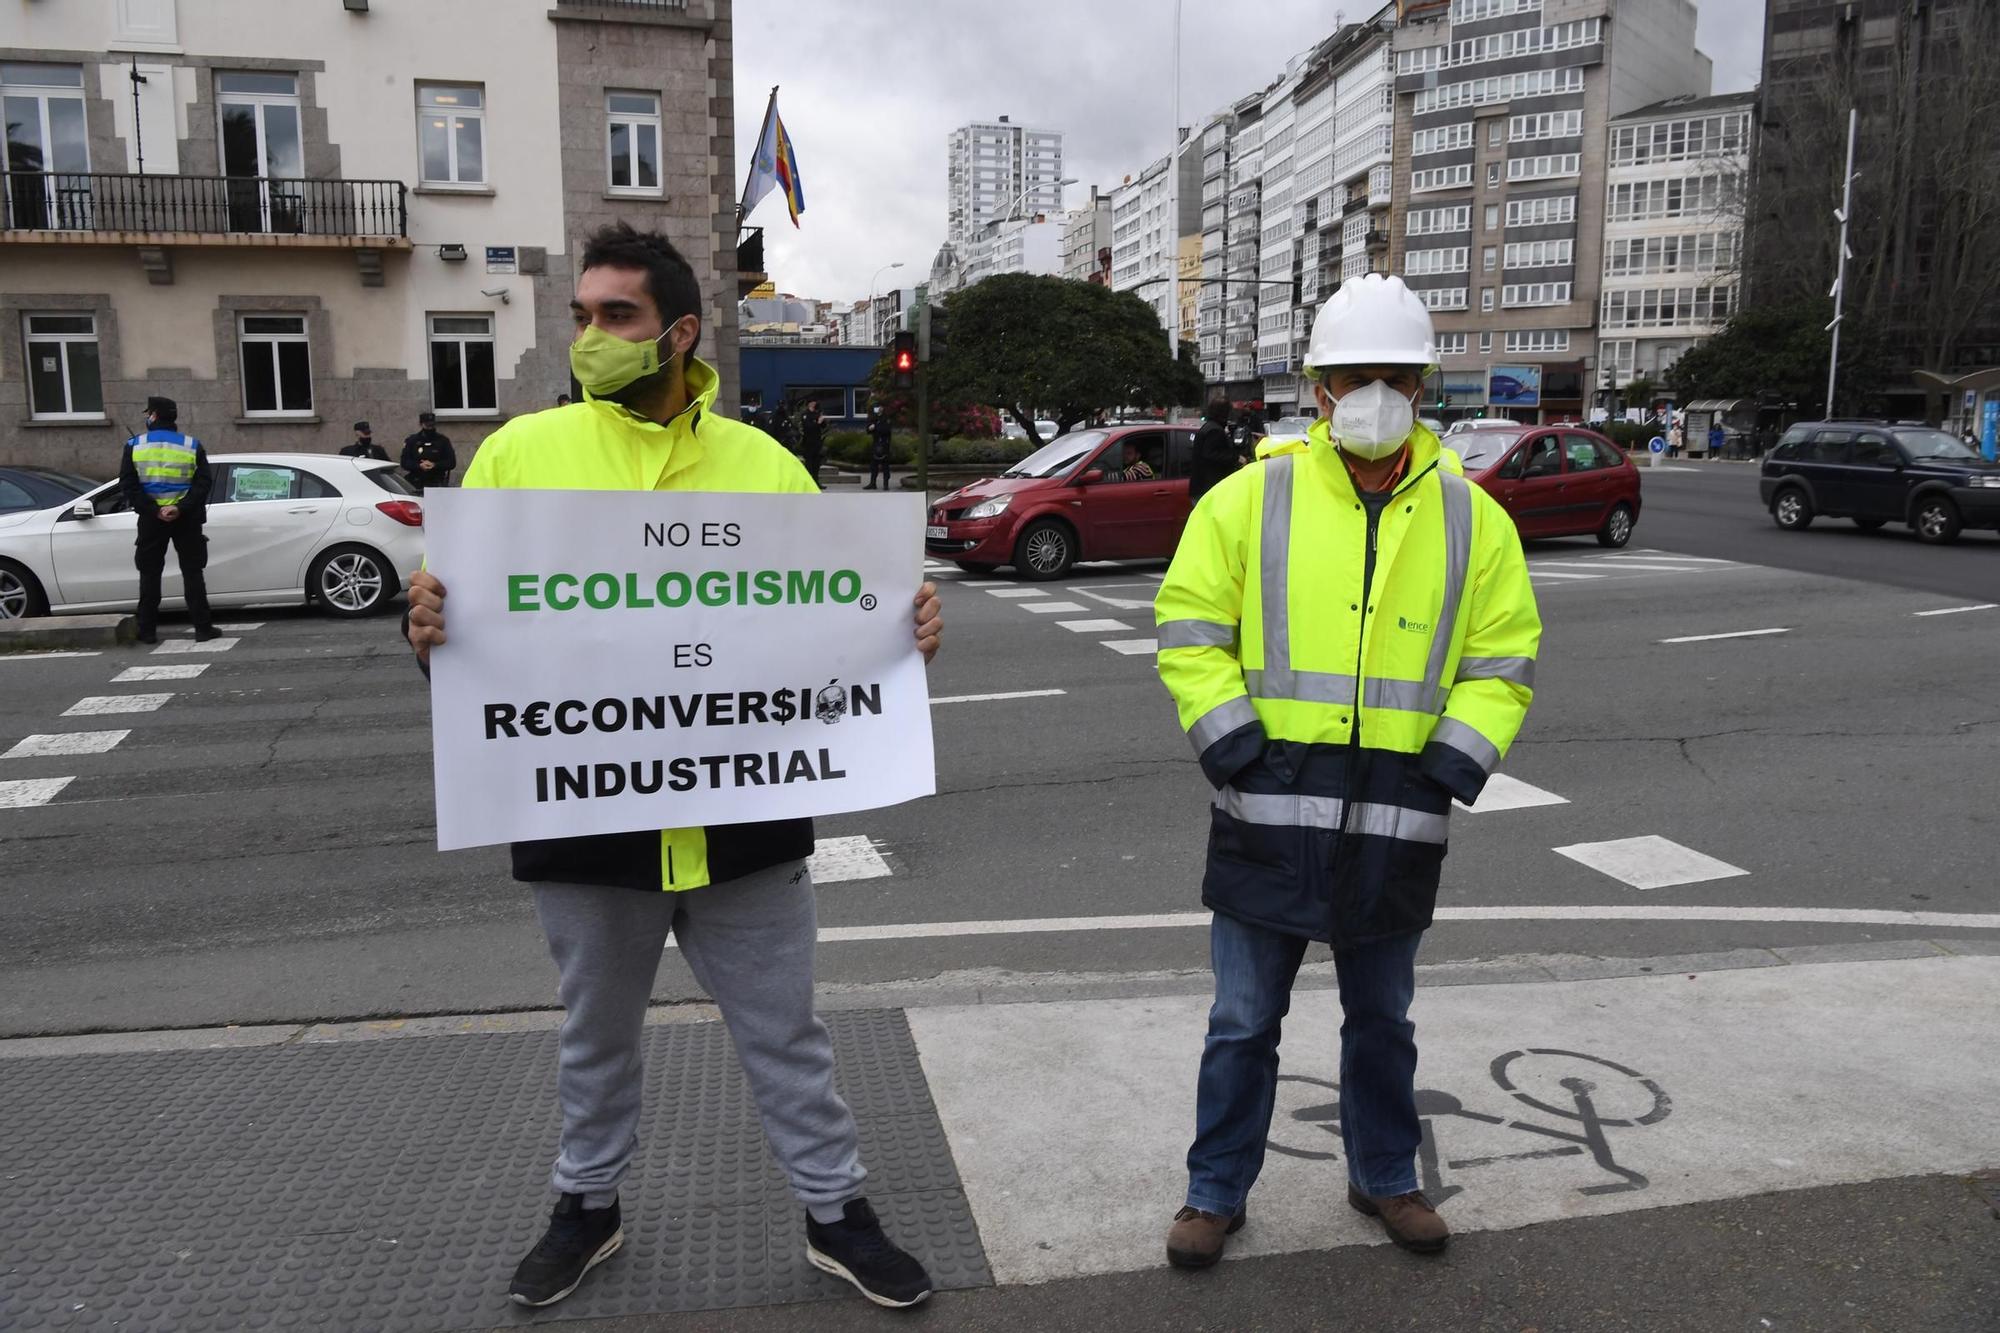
<point>673,6</point>
<point>100,202</point>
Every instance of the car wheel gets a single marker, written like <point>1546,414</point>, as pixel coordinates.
<point>979,567</point>
<point>20,593</point>
<point>1868,524</point>
<point>1046,550</point>
<point>350,581</point>
<point>1792,511</point>
<point>1936,520</point>
<point>1617,529</point>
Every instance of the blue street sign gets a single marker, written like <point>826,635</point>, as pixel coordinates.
<point>1989,428</point>
<point>1657,445</point>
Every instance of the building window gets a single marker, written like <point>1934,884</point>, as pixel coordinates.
<point>1443,298</point>
<point>1492,173</point>
<point>451,133</point>
<point>1451,344</point>
<point>63,376</point>
<point>1441,178</point>
<point>1495,133</point>
<point>277,365</point>
<point>1442,139</point>
<point>1432,261</point>
<point>1668,307</point>
<point>1492,217</point>
<point>1485,298</point>
<point>1540,254</point>
<point>462,363</point>
<point>1544,125</point>
<point>1541,212</point>
<point>1534,293</point>
<point>45,133</point>
<point>632,141</point>
<point>1538,340</point>
<point>1485,343</point>
<point>1422,222</point>
<point>1544,168</point>
<point>1489,257</point>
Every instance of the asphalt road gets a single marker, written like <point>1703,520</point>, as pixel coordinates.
<point>1700,508</point>
<point>259,847</point>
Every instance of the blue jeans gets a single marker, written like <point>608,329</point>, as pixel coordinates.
<point>1254,969</point>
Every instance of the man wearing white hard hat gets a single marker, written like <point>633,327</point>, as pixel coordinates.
<point>1350,635</point>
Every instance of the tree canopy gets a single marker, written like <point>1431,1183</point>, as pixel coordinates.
<point>1780,352</point>
<point>1070,350</point>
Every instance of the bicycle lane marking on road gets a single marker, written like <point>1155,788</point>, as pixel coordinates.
<point>1537,1102</point>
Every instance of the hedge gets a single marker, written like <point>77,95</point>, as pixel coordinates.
<point>852,448</point>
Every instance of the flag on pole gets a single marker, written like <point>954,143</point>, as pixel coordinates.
<point>774,166</point>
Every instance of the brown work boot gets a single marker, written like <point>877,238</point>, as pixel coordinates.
<point>1196,1238</point>
<point>1408,1218</point>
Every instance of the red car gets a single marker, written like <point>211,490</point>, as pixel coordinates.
<point>1556,481</point>
<point>1070,501</point>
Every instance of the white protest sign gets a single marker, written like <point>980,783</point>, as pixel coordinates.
<point>628,660</point>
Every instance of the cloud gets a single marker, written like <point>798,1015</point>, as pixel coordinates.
<point>870,91</point>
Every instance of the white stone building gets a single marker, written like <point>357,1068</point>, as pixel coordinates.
<point>1145,239</point>
<point>1086,239</point>
<point>999,170</point>
<point>1673,231</point>
<point>329,212</point>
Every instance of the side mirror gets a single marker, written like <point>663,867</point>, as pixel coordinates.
<point>1093,475</point>
<point>83,509</point>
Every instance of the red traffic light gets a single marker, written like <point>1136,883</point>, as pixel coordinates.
<point>904,361</point>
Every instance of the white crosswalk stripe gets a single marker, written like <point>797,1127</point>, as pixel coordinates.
<point>66,743</point>
<point>172,646</point>
<point>1650,862</point>
<point>1132,647</point>
<point>840,860</point>
<point>165,671</point>
<point>1093,626</point>
<point>98,704</point>
<point>25,793</point>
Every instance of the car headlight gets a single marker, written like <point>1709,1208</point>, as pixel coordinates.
<point>998,505</point>
<point>1988,480</point>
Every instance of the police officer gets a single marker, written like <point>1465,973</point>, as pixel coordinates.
<point>165,480</point>
<point>364,445</point>
<point>1349,634</point>
<point>878,448</point>
<point>427,456</point>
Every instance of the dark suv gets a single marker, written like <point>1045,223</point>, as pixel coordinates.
<point>1874,473</point>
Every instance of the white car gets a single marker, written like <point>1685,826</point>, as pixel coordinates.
<point>343,532</point>
<point>1011,429</point>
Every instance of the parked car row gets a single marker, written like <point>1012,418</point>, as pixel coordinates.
<point>342,533</point>
<point>1068,502</point>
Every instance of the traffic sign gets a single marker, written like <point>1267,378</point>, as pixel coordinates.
<point>1657,445</point>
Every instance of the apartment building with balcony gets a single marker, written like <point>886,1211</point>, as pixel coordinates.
<point>997,170</point>
<point>1226,307</point>
<point>1673,231</point>
<point>1086,240</point>
<point>1503,113</point>
<point>1148,220</point>
<point>289,217</point>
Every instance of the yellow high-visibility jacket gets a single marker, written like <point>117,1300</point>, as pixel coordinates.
<point>596,445</point>
<point>1342,676</point>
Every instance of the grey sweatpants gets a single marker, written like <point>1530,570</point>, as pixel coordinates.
<point>750,945</point>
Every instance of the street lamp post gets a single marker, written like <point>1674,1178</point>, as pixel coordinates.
<point>1845,211</point>
<point>1173,319</point>
<point>1013,209</point>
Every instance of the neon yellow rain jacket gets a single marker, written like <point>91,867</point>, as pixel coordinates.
<point>1343,673</point>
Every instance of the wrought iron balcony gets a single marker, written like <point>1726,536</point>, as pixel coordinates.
<point>220,209</point>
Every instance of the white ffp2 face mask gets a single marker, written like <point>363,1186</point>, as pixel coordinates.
<point>1373,421</point>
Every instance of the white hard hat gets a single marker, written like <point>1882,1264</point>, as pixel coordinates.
<point>1373,320</point>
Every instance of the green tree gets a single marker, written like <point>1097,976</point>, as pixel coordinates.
<point>1071,350</point>
<point>1779,352</point>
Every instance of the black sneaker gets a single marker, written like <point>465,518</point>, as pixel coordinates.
<point>207,632</point>
<point>855,1248</point>
<point>146,636</point>
<point>578,1240</point>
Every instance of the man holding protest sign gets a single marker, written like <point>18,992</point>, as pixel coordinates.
<point>738,898</point>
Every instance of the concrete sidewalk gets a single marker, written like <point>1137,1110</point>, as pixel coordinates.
<point>343,1180</point>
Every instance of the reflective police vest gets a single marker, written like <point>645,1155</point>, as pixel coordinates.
<point>165,462</point>
<point>1343,675</point>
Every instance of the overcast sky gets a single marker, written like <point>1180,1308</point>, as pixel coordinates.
<point>870,90</point>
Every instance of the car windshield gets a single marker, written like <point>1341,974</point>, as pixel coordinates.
<point>1483,448</point>
<point>1936,444</point>
<point>1058,456</point>
<point>69,481</point>
<point>1291,426</point>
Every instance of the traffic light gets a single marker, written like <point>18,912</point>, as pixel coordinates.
<point>904,358</point>
<point>933,333</point>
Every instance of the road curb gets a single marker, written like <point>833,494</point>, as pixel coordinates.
<point>45,633</point>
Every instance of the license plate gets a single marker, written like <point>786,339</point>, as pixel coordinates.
<point>934,534</point>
